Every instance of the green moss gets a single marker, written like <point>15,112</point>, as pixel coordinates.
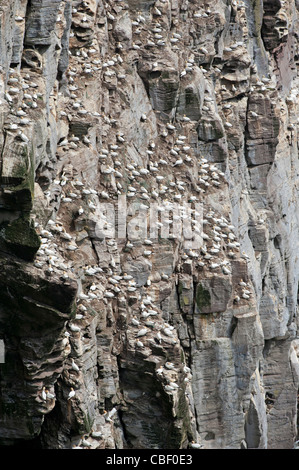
<point>21,181</point>
<point>20,231</point>
<point>88,422</point>
<point>73,310</point>
<point>21,238</point>
<point>186,300</point>
<point>203,297</point>
<point>25,168</point>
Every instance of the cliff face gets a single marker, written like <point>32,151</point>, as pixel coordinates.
<point>110,110</point>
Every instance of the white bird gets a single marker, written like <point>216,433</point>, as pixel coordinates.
<point>75,328</point>
<point>195,445</point>
<point>225,270</point>
<point>168,332</point>
<point>50,396</point>
<point>74,366</point>
<point>178,162</point>
<point>65,235</point>
<point>246,291</point>
<point>83,296</point>
<point>169,365</point>
<point>109,294</point>
<point>245,296</point>
<point>20,112</point>
<point>71,394</point>
<point>142,332</point>
<point>23,137</point>
<point>85,443</point>
<point>44,394</point>
<point>110,414</point>
<point>71,246</point>
<point>169,388</point>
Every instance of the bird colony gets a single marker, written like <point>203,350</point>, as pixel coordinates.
<point>150,105</point>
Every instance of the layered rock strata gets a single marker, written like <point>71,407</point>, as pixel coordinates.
<point>128,127</point>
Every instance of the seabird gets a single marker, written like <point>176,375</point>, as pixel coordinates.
<point>142,332</point>
<point>169,365</point>
<point>74,366</point>
<point>71,394</point>
<point>44,394</point>
<point>85,443</point>
<point>195,445</point>
<point>50,396</point>
<point>75,328</point>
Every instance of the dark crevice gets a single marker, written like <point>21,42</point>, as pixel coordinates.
<point>232,327</point>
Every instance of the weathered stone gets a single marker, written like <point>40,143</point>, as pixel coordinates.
<point>40,22</point>
<point>210,128</point>
<point>262,130</point>
<point>21,239</point>
<point>212,295</point>
<point>164,342</point>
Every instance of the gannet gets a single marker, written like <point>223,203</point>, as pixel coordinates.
<point>135,322</point>
<point>50,396</point>
<point>245,291</point>
<point>169,388</point>
<point>179,161</point>
<point>142,332</point>
<point>44,394</point>
<point>65,235</point>
<point>75,328</point>
<point>109,294</point>
<point>109,415</point>
<point>195,445</point>
<point>131,288</point>
<point>74,366</point>
<point>85,443</point>
<point>225,270</point>
<point>169,365</point>
<point>168,332</point>
<point>71,394</point>
<point>71,246</point>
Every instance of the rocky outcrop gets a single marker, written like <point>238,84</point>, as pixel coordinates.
<point>148,224</point>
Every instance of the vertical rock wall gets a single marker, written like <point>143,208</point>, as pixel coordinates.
<point>121,341</point>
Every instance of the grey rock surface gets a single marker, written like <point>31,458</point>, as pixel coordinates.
<point>118,331</point>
